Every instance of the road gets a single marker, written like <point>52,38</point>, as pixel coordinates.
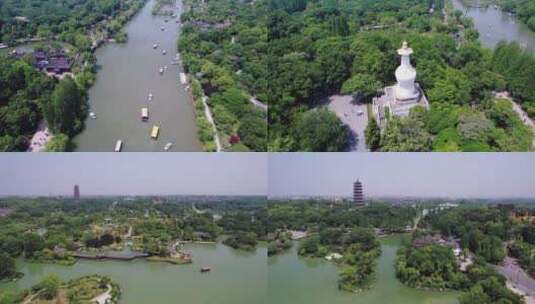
<point>258,103</point>
<point>348,112</point>
<point>518,278</point>
<point>519,111</point>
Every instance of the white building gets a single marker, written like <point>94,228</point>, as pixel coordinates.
<point>400,98</point>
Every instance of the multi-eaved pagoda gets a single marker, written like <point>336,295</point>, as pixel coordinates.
<point>401,97</point>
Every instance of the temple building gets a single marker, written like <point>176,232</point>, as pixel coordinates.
<point>358,194</point>
<point>76,192</point>
<point>404,95</point>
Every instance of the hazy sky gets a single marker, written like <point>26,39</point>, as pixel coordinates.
<point>404,174</point>
<point>133,173</point>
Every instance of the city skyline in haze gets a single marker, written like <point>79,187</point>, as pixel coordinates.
<point>446,175</point>
<point>131,174</point>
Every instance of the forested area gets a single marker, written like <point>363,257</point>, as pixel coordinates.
<point>57,230</point>
<point>321,48</point>
<point>27,96</point>
<point>69,20</point>
<point>524,9</point>
<point>481,232</point>
<point>223,47</point>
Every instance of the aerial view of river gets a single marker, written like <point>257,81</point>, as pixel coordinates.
<point>295,280</point>
<point>237,277</point>
<point>494,25</point>
<point>127,74</point>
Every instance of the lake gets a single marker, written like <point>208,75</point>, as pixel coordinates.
<point>296,280</point>
<point>237,277</point>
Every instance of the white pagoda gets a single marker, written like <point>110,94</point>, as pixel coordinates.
<point>402,96</point>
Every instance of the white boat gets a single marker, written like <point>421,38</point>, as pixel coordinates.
<point>93,115</point>
<point>150,96</point>
<point>183,79</point>
<point>164,52</point>
<point>161,70</point>
<point>118,146</point>
<point>144,114</point>
<point>155,46</point>
<point>165,67</point>
<point>168,146</point>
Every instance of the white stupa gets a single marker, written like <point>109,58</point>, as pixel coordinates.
<point>404,95</point>
<point>406,75</point>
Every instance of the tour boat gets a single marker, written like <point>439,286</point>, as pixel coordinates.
<point>164,52</point>
<point>168,146</point>
<point>118,145</point>
<point>93,115</point>
<point>144,114</point>
<point>154,132</point>
<point>161,70</point>
<point>206,269</point>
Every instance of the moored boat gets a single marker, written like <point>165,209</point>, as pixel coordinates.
<point>118,145</point>
<point>155,131</point>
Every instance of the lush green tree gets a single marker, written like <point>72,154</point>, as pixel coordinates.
<point>363,86</point>
<point>67,108</point>
<point>373,135</point>
<point>7,266</point>
<point>320,131</point>
<point>50,285</point>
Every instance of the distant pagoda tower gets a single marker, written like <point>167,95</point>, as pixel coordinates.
<point>399,99</point>
<point>358,194</point>
<point>76,192</point>
<point>406,76</point>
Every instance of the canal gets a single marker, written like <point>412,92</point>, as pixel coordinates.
<point>314,281</point>
<point>494,25</point>
<point>237,277</point>
<point>127,73</point>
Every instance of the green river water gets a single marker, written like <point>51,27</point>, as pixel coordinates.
<point>237,277</point>
<point>313,281</point>
<point>241,277</point>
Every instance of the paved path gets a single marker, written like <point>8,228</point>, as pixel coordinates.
<point>258,103</point>
<point>40,138</point>
<point>210,119</point>
<point>348,112</point>
<point>517,278</point>
<point>519,111</point>
<point>103,298</point>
